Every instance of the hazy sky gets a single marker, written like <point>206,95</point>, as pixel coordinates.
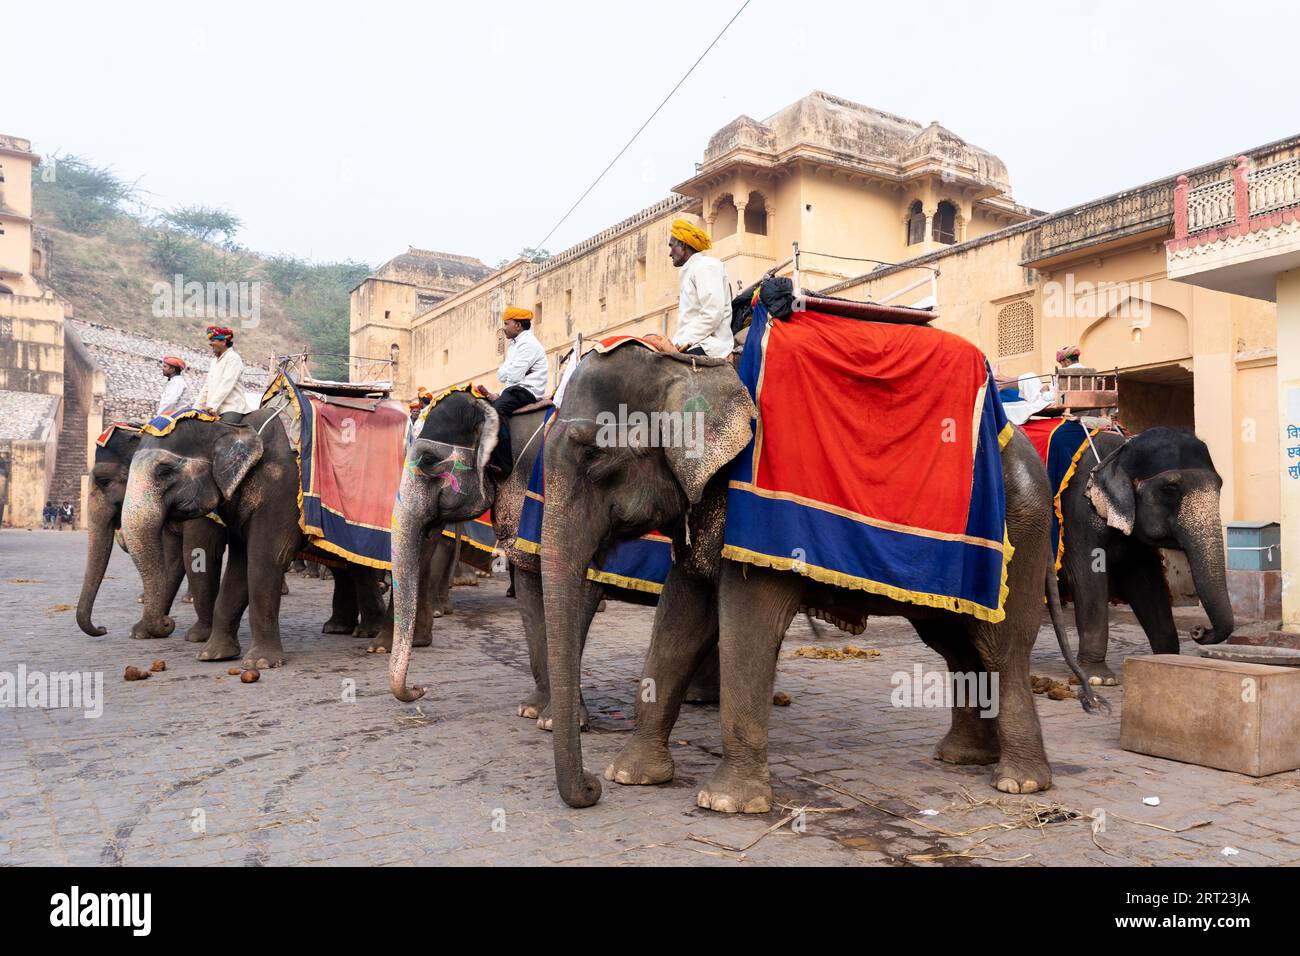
<point>351,130</point>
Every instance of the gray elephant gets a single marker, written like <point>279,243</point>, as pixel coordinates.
<point>248,475</point>
<point>192,549</point>
<point>457,439</point>
<point>597,494</point>
<point>1158,489</point>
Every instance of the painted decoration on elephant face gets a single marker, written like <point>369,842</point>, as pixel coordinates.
<point>875,463</point>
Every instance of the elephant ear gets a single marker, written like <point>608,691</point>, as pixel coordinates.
<point>233,456</point>
<point>716,415</point>
<point>1110,489</point>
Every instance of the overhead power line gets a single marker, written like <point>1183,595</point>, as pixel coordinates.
<point>641,129</point>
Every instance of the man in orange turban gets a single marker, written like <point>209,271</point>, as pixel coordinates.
<point>523,373</point>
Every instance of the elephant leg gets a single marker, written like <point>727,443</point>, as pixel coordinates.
<point>343,606</point>
<point>441,571</point>
<point>706,684</point>
<point>755,607</point>
<point>1140,581</point>
<point>205,549</point>
<point>685,633</point>
<point>232,600</point>
<point>370,602</point>
<point>1004,648</point>
<point>536,637</point>
<point>1089,577</point>
<point>264,592</point>
<point>973,738</point>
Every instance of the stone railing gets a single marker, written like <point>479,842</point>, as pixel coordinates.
<point>573,252</point>
<point>1232,203</point>
<point>1275,187</point>
<point>1113,217</point>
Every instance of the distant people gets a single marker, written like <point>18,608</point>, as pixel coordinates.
<point>523,373</point>
<point>222,394</point>
<point>49,516</point>
<point>67,515</point>
<point>422,399</point>
<point>177,389</point>
<point>703,303</point>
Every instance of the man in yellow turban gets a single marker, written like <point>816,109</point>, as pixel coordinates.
<point>523,373</point>
<point>703,304</point>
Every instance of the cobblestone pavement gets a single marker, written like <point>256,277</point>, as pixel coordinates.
<point>290,771</point>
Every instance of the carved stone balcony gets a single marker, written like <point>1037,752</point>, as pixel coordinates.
<point>1237,234</point>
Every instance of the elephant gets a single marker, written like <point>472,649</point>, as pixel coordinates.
<point>200,538</point>
<point>457,439</point>
<point>1158,489</point>
<point>597,494</point>
<point>248,475</point>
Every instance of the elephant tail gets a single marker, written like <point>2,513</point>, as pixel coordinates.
<point>1089,698</point>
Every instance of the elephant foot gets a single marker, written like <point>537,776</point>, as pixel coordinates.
<point>731,792</point>
<point>424,639</point>
<point>704,690</point>
<point>383,644</point>
<point>140,632</point>
<point>369,633</point>
<point>220,648</point>
<point>338,626</point>
<point>641,763</point>
<point>188,599</point>
<point>198,633</point>
<point>1098,673</point>
<point>965,748</point>
<point>545,722</point>
<point>1022,774</point>
<point>531,707</point>
<point>263,657</point>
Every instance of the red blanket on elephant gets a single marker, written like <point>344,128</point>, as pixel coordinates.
<point>875,462</point>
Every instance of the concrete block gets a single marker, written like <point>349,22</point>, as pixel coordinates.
<point>1223,714</point>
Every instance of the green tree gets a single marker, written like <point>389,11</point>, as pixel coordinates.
<point>204,223</point>
<point>80,196</point>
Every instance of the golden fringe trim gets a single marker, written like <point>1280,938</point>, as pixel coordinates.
<point>922,598</point>
<point>466,539</point>
<point>1056,501</point>
<point>213,516</point>
<point>349,556</point>
<point>600,577</point>
<point>1004,436</point>
<point>148,428</point>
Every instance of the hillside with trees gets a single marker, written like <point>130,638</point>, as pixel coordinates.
<point>111,250</point>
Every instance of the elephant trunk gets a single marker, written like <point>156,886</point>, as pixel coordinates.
<point>98,552</point>
<point>1200,533</point>
<point>409,536</point>
<point>142,528</point>
<point>567,550</point>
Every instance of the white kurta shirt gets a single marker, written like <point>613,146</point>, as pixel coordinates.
<point>222,392</point>
<point>174,393</point>
<point>525,364</point>
<point>704,307</point>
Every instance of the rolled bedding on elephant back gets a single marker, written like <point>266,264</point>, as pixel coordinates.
<point>1060,442</point>
<point>874,464</point>
<point>640,565</point>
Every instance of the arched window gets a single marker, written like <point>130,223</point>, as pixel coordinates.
<point>756,215</point>
<point>915,224</point>
<point>945,223</point>
<point>724,221</point>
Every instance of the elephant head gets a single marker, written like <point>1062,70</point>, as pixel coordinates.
<point>444,481</point>
<point>104,516</point>
<point>193,470</point>
<point>639,437</point>
<point>1161,488</point>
